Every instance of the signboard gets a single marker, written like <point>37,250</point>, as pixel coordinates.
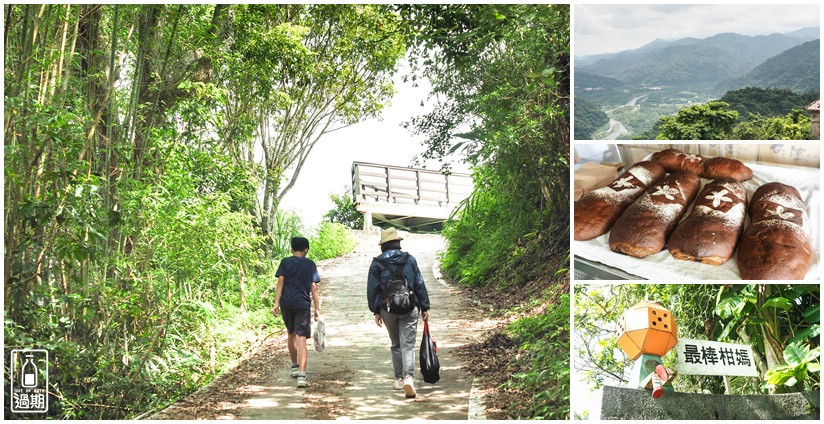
<point>701,357</point>
<point>29,380</point>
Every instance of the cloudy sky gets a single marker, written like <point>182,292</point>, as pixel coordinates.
<point>610,29</point>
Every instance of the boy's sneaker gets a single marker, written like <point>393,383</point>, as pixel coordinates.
<point>302,382</point>
<point>295,371</point>
<point>409,387</point>
<point>398,384</point>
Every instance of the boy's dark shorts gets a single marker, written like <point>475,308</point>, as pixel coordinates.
<point>297,321</point>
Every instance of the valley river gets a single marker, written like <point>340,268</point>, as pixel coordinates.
<point>616,128</point>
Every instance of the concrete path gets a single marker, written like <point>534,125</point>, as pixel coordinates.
<point>352,379</point>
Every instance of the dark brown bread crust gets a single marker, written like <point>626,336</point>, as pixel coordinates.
<point>778,243</point>
<point>644,227</point>
<point>711,231</point>
<point>596,211</point>
<point>726,168</point>
<point>675,160</point>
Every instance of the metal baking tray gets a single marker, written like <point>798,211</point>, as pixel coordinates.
<point>592,270</point>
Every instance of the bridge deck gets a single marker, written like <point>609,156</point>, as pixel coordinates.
<point>409,197</point>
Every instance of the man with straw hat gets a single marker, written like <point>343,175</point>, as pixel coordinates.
<point>397,296</point>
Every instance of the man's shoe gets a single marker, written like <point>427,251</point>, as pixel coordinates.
<point>409,387</point>
<point>295,371</point>
<point>302,383</point>
<point>398,384</point>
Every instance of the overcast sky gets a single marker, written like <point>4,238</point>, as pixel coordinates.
<point>611,29</point>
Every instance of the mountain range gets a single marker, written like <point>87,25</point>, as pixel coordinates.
<point>722,61</point>
<point>796,69</point>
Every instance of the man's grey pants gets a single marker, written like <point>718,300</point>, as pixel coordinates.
<point>402,331</point>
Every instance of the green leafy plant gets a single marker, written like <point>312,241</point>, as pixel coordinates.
<point>345,211</point>
<point>801,360</point>
<point>544,338</point>
<point>330,240</point>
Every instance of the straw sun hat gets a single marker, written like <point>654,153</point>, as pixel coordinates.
<point>389,234</point>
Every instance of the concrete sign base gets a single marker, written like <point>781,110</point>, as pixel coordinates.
<point>620,403</point>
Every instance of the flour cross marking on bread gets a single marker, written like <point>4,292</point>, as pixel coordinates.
<point>623,183</point>
<point>692,157</point>
<point>780,212</point>
<point>666,191</point>
<point>717,197</point>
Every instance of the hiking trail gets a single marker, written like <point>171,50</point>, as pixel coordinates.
<point>352,379</point>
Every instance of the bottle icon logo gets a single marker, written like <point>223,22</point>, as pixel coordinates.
<point>29,381</point>
<point>29,372</point>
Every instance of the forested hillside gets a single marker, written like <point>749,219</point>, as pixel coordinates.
<point>682,65</point>
<point>588,119</point>
<point>796,69</point>
<point>590,82</point>
<point>691,60</point>
<point>766,101</point>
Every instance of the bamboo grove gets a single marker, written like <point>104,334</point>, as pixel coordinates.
<point>136,245</point>
<point>147,147</point>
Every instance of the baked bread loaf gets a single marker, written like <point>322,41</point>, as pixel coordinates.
<point>644,227</point>
<point>711,231</point>
<point>596,211</point>
<point>778,243</point>
<point>675,160</point>
<point>726,168</point>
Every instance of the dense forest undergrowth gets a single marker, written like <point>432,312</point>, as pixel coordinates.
<point>147,148</point>
<point>524,362</point>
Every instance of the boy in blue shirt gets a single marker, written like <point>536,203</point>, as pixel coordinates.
<point>297,277</point>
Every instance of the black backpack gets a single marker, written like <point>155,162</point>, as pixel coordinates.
<point>396,296</point>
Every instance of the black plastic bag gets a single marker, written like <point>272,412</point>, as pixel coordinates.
<point>429,357</point>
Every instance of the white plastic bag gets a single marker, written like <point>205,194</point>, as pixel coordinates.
<point>319,336</point>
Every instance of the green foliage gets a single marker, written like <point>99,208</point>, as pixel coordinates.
<point>801,360</point>
<point>487,233</point>
<point>516,58</point>
<point>299,72</point>
<point>330,240</point>
<point>713,121</point>
<point>501,75</point>
<point>773,318</point>
<point>767,102</point>
<point>588,119</point>
<point>795,125</point>
<point>709,121</point>
<point>134,235</point>
<point>287,225</point>
<point>544,338</point>
<point>345,211</point>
